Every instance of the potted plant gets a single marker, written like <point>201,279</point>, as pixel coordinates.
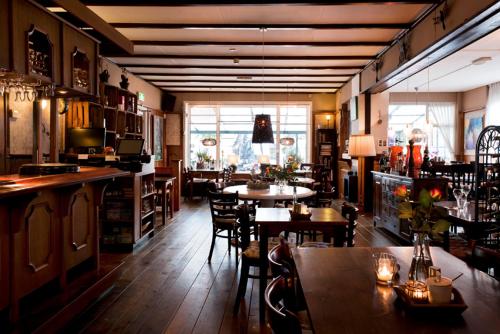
<point>426,220</point>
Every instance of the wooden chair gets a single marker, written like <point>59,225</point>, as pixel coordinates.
<point>486,259</point>
<point>281,319</point>
<point>222,208</point>
<point>306,166</point>
<point>280,260</point>
<point>164,193</point>
<point>194,186</point>
<point>250,255</point>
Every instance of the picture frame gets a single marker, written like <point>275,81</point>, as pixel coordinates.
<point>473,125</point>
<point>353,107</point>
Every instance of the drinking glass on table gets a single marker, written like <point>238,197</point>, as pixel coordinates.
<point>466,190</point>
<point>458,194</point>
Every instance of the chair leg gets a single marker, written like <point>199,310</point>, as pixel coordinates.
<point>214,231</point>
<point>229,235</point>
<point>242,286</point>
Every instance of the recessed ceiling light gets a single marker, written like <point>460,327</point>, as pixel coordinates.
<point>233,50</point>
<point>481,60</point>
<point>236,61</point>
<point>244,77</point>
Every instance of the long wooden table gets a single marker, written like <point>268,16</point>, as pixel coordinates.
<point>342,296</point>
<point>272,221</point>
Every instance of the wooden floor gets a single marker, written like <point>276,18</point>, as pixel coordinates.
<point>168,287</point>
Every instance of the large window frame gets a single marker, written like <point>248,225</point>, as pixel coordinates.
<point>277,125</point>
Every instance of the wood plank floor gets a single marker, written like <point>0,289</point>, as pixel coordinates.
<point>167,286</point>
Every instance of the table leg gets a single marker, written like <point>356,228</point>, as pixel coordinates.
<point>264,234</point>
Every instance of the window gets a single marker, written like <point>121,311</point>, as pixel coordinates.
<point>433,122</point>
<point>231,125</point>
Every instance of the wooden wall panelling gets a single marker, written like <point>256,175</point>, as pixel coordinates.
<point>4,256</point>
<point>72,40</point>
<point>79,225</point>
<point>25,15</point>
<point>3,136</point>
<point>4,34</point>
<point>36,239</point>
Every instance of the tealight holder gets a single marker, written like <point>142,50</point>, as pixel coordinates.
<point>386,267</point>
<point>417,291</point>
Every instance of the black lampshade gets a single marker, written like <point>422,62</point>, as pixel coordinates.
<point>262,130</point>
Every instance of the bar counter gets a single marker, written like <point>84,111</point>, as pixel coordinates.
<point>27,184</point>
<point>49,233</point>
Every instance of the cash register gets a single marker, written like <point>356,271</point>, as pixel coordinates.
<point>129,152</point>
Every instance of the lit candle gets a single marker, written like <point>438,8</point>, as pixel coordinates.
<point>384,272</point>
<point>416,291</point>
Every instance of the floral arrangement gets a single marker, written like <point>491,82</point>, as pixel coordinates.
<point>424,217</point>
<point>280,173</point>
<point>293,162</point>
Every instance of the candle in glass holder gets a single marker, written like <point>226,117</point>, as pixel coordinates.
<point>416,290</point>
<point>385,266</point>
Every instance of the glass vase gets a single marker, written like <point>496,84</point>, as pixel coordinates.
<point>419,270</point>
<point>281,185</point>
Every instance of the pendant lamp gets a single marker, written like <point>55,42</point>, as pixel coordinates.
<point>262,128</point>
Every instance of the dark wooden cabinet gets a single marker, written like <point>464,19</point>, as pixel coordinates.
<point>385,203</point>
<point>4,257</point>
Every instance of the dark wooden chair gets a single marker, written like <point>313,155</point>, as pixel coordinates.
<point>250,255</point>
<point>194,186</point>
<point>280,260</point>
<point>485,259</point>
<point>281,319</point>
<point>222,208</point>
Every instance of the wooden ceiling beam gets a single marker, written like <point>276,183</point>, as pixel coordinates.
<point>256,43</point>
<point>80,11</point>
<point>222,57</point>
<point>248,81</point>
<point>248,86</point>
<point>250,26</point>
<point>238,75</point>
<point>237,67</point>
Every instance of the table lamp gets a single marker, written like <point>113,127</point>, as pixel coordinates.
<point>361,147</point>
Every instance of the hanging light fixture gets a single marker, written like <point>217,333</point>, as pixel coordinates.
<point>209,142</point>
<point>262,128</point>
<point>287,141</point>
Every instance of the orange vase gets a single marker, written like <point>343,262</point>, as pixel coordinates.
<point>395,151</point>
<point>417,155</point>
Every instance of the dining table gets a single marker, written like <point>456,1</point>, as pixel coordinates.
<point>268,196</point>
<point>465,218</point>
<point>271,221</point>
<point>342,295</point>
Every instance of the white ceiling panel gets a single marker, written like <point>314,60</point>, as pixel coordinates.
<point>256,78</point>
<point>238,71</point>
<point>265,90</point>
<point>244,83</point>
<point>254,35</point>
<point>276,14</point>
<point>256,50</point>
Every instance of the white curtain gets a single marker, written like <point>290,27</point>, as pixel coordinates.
<point>493,105</point>
<point>442,115</point>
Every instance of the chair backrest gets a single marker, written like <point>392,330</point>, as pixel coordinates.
<point>351,213</point>
<point>305,166</point>
<point>243,215</point>
<point>317,172</point>
<point>222,206</point>
<point>486,259</point>
<point>280,318</point>
<point>163,171</point>
<point>324,199</point>
<point>280,259</point>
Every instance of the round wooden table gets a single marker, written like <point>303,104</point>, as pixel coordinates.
<point>268,196</point>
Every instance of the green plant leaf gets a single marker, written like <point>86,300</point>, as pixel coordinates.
<point>425,199</point>
<point>405,210</point>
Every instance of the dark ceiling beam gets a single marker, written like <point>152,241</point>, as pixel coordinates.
<point>84,14</point>
<point>255,82</point>
<point>282,57</point>
<point>237,67</point>
<point>247,3</point>
<point>256,43</point>
<point>287,26</point>
<point>235,75</point>
<point>258,87</point>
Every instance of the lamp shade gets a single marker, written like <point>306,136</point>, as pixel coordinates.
<point>233,159</point>
<point>264,159</point>
<point>362,146</point>
<point>262,130</point>
<point>209,142</point>
<point>287,141</point>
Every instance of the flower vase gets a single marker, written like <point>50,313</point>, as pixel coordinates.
<point>281,185</point>
<point>419,270</point>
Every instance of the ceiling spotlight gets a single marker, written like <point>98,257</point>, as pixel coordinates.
<point>233,50</point>
<point>244,77</point>
<point>481,60</point>
<point>236,61</point>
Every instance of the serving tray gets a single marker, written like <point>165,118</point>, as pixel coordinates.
<point>454,308</point>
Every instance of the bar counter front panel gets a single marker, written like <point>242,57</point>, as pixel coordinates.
<point>50,225</point>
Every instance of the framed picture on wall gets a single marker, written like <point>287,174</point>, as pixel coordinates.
<point>473,125</point>
<point>158,138</point>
